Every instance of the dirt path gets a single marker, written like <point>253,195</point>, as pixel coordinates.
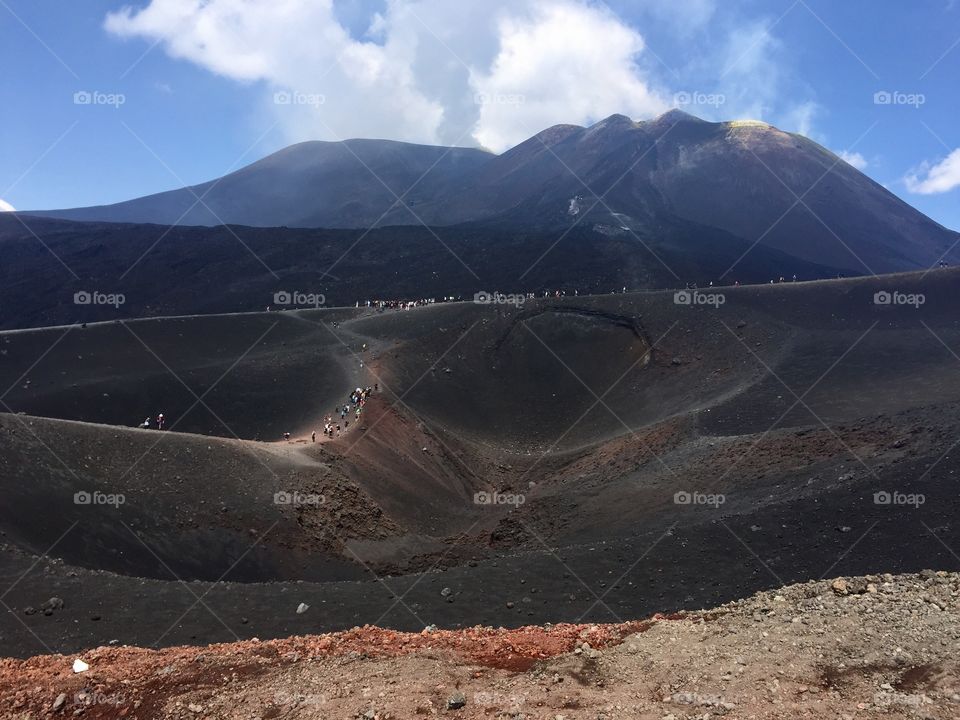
<point>355,362</point>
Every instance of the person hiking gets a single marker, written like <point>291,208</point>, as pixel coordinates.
<point>160,421</point>
<point>313,436</point>
<point>145,424</point>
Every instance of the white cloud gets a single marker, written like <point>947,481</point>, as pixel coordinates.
<point>685,17</point>
<point>413,69</point>
<point>937,178</point>
<point>748,49</point>
<point>6,207</point>
<point>853,158</point>
<point>415,72</point>
<point>562,61</point>
<point>752,67</point>
<point>799,118</point>
<point>341,87</point>
<point>747,71</point>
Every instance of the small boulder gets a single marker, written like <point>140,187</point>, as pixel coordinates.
<point>857,586</point>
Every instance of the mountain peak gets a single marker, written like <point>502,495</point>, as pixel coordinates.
<point>749,123</point>
<point>615,120</point>
<point>551,136</point>
<point>676,115</point>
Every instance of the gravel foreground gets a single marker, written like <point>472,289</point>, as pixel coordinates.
<point>875,646</point>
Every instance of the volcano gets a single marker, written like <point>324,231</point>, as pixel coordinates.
<point>657,180</point>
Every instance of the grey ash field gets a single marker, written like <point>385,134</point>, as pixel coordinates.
<point>667,456</point>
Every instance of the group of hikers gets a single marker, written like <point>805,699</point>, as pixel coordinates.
<point>736,283</point>
<point>408,304</point>
<point>161,422</point>
<point>405,304</point>
<point>332,428</point>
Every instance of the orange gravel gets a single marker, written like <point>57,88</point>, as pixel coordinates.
<point>28,685</point>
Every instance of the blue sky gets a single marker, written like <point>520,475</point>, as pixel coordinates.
<point>106,100</point>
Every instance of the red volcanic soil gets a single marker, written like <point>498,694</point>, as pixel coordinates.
<point>877,646</point>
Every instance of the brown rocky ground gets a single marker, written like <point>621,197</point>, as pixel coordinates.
<point>860,647</point>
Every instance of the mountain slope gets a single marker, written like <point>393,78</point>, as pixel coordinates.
<point>311,184</point>
<point>189,270</point>
<point>756,182</point>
